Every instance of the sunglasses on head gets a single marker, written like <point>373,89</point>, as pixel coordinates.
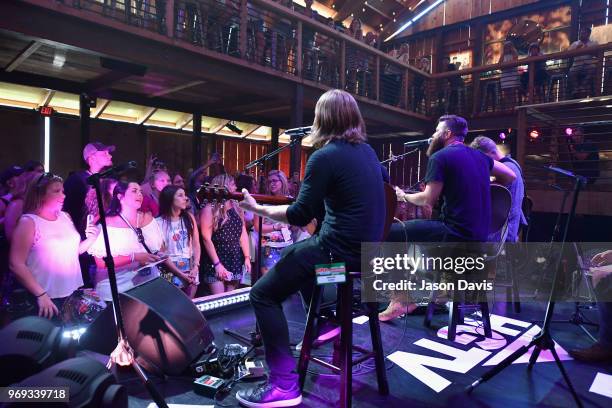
<point>43,176</point>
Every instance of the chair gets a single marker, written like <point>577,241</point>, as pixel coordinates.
<point>501,201</point>
<point>344,311</point>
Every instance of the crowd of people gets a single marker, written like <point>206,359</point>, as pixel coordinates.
<point>156,226</point>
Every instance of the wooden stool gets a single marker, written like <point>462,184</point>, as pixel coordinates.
<point>344,313</point>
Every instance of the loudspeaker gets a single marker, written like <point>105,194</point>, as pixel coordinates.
<point>29,345</point>
<point>89,382</point>
<point>162,324</point>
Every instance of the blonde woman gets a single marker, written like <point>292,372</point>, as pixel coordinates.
<point>226,243</point>
<point>275,235</point>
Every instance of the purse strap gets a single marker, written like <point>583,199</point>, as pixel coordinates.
<point>138,232</point>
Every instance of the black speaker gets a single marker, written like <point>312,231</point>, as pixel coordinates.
<point>162,324</point>
<point>28,345</point>
<point>89,382</point>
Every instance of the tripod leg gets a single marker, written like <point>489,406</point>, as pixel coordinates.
<point>565,377</point>
<point>498,368</point>
<point>534,357</point>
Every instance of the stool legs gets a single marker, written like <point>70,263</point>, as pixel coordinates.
<point>309,334</point>
<point>379,357</point>
<point>346,341</point>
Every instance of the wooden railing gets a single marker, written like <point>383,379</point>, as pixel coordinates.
<point>499,88</point>
<point>286,42</point>
<point>270,35</point>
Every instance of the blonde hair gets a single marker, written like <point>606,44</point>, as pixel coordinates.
<point>283,179</point>
<point>37,190</point>
<point>337,117</point>
<point>219,212</point>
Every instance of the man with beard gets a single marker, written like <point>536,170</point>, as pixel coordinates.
<point>460,175</point>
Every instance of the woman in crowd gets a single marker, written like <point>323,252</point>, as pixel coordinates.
<point>159,180</point>
<point>225,240</point>
<point>178,180</point>
<point>134,238</point>
<point>354,58</point>
<point>14,210</point>
<point>181,238</point>
<point>275,236</point>
<point>46,246</point>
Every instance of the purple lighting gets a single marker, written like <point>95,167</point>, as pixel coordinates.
<point>569,131</point>
<point>502,136</point>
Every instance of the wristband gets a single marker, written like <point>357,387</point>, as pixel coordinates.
<point>216,263</point>
<point>42,294</point>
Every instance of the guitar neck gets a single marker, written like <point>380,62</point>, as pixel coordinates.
<point>269,199</point>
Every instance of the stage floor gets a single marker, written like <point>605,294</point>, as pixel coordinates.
<point>425,369</point>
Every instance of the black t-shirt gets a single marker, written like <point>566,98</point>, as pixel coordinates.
<point>76,188</point>
<point>588,167</point>
<point>466,193</point>
<point>347,179</point>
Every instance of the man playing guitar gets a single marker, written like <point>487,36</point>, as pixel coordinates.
<point>460,175</point>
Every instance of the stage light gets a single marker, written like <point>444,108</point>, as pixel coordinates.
<point>232,126</point>
<point>502,136</point>
<point>222,302</point>
<point>29,345</point>
<point>414,19</point>
<point>534,134</point>
<point>569,131</point>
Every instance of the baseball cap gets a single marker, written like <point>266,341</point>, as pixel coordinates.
<point>94,147</point>
<point>9,173</point>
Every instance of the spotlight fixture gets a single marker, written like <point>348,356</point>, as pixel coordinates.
<point>232,126</point>
<point>534,134</point>
<point>569,131</point>
<point>502,136</point>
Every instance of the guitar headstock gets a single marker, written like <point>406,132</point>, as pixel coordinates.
<point>214,194</point>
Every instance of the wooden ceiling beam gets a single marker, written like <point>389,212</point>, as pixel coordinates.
<point>146,116</point>
<point>219,126</point>
<point>47,98</point>
<point>348,8</point>
<point>101,107</point>
<point>184,121</point>
<point>30,49</point>
<point>379,12</point>
<point>177,88</point>
<point>105,81</point>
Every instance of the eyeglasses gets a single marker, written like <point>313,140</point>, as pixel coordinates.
<point>274,181</point>
<point>43,176</point>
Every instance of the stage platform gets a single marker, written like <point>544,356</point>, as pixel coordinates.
<point>425,369</point>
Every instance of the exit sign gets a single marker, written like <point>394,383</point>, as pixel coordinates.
<point>46,110</point>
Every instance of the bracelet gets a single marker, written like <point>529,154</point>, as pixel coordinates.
<point>42,294</point>
<point>216,263</point>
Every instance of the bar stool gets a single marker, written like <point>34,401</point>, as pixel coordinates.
<point>501,201</point>
<point>344,311</point>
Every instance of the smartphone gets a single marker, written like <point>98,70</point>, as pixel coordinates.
<point>90,219</point>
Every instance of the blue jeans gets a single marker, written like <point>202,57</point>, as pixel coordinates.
<point>422,231</point>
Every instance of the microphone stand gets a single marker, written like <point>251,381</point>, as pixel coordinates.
<point>254,338</point>
<point>94,180</point>
<point>543,340</point>
<point>401,156</point>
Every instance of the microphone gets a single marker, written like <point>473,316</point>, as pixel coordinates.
<point>301,131</point>
<point>419,143</point>
<point>566,173</point>
<point>113,170</point>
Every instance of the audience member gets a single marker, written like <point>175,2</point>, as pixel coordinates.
<point>581,76</point>
<point>509,81</point>
<point>150,203</point>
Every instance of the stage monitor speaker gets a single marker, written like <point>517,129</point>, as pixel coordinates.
<point>89,382</point>
<point>162,324</point>
<point>29,345</point>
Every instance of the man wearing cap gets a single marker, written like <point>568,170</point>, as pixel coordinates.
<point>97,156</point>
